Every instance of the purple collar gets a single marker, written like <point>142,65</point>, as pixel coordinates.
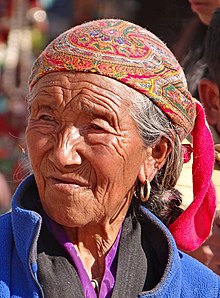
<point>108,280</point>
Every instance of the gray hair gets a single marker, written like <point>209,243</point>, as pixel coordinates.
<point>153,124</point>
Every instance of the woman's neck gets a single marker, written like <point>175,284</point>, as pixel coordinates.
<point>94,240</point>
<point>92,243</point>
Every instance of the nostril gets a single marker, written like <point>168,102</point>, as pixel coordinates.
<point>75,158</point>
<point>64,156</point>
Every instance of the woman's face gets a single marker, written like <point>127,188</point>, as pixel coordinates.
<point>204,9</point>
<point>84,147</point>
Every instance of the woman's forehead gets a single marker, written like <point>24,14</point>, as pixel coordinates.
<point>68,85</point>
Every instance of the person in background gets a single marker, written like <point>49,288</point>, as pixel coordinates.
<point>209,92</point>
<point>189,47</point>
<point>204,9</point>
<point>99,216</point>
<point>5,195</point>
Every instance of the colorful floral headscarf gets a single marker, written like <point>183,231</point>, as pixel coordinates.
<point>134,56</point>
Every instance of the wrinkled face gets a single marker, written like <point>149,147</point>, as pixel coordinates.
<point>84,147</point>
<point>204,9</point>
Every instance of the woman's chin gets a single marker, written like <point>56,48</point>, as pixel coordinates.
<point>64,218</point>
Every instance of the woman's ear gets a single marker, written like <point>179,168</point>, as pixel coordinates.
<point>161,151</point>
<point>155,159</point>
<point>209,96</point>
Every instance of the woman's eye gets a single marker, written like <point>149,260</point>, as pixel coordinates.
<point>102,126</point>
<point>46,117</point>
<point>96,127</point>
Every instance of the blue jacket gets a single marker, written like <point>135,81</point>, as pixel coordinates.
<point>19,231</point>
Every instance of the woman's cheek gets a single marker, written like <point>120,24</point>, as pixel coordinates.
<point>37,144</point>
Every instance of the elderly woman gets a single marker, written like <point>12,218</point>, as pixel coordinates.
<point>109,107</point>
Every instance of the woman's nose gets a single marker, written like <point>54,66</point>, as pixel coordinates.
<point>65,150</point>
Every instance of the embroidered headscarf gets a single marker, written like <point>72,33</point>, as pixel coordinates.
<point>134,56</point>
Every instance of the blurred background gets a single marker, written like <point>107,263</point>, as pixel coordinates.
<point>27,26</point>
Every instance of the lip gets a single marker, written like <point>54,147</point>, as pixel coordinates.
<point>64,180</point>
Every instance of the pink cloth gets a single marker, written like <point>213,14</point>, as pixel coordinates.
<point>193,226</point>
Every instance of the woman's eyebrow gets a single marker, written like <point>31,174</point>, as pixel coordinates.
<point>97,111</point>
<point>47,103</point>
<point>46,107</point>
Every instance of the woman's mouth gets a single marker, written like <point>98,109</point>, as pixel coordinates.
<point>67,183</point>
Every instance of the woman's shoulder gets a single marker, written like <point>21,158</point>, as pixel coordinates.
<point>5,222</point>
<point>197,279</point>
<point>189,277</point>
<point>5,229</point>
<point>6,245</point>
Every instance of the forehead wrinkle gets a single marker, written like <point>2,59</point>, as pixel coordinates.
<point>101,88</point>
<point>57,97</point>
<point>102,85</point>
<point>107,97</point>
<point>108,94</point>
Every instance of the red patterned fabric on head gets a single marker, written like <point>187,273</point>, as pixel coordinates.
<point>134,56</point>
<point>129,54</point>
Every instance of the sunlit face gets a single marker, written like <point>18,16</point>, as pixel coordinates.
<point>204,9</point>
<point>209,93</point>
<point>84,147</point>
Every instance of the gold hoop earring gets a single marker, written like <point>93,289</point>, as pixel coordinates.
<point>145,191</point>
<point>142,191</point>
